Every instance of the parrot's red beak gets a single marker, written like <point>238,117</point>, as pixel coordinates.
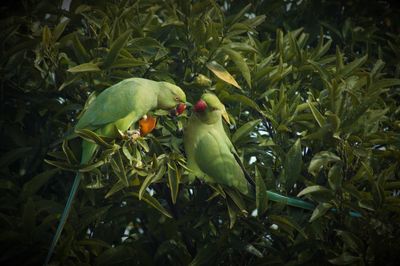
<point>200,106</point>
<point>180,108</point>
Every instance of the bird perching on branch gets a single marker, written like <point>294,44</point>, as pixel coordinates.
<point>113,111</point>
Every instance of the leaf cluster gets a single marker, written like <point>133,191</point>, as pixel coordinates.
<point>314,105</point>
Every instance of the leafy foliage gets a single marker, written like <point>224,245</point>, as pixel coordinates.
<point>315,114</point>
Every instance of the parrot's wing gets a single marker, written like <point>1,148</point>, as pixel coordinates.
<point>131,96</point>
<point>246,174</point>
<point>215,159</point>
<point>237,157</point>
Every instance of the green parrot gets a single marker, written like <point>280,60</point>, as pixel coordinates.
<point>212,157</point>
<point>210,153</point>
<point>117,108</point>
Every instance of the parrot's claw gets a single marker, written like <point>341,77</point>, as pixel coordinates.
<point>133,134</point>
<point>130,135</point>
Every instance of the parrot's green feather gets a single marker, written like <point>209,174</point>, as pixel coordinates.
<point>118,107</point>
<point>131,97</point>
<point>212,157</point>
<point>210,153</point>
<point>221,167</point>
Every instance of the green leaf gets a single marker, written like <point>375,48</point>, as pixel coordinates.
<point>253,250</point>
<point>283,221</point>
<point>68,153</point>
<point>32,186</point>
<point>91,167</point>
<point>59,29</point>
<point>205,255</point>
<point>127,63</point>
<point>29,217</point>
<point>320,160</point>
<point>279,46</point>
<point>294,45</point>
<point>119,169</point>
<point>233,212</point>
<point>339,59</point>
<point>85,67</point>
<point>63,165</point>
<point>261,194</point>
<point>317,115</point>
<point>344,259</point>
<point>322,50</point>
<point>13,155</point>
<point>351,240</point>
<point>115,188</point>
<point>151,178</point>
<point>222,73</point>
<point>46,36</point>
<point>93,137</point>
<point>324,74</point>
<point>117,255</point>
<point>238,46</point>
<point>116,47</point>
<point>79,49</point>
<point>8,185</point>
<point>240,14</point>
<point>237,200</point>
<point>240,63</point>
<point>385,83</point>
<point>153,203</point>
<point>312,189</point>
<point>174,177</point>
<point>239,98</point>
<point>293,164</point>
<point>320,210</point>
<point>244,130</point>
<point>349,68</point>
<point>335,177</point>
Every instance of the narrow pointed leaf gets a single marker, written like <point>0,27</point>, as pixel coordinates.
<point>261,194</point>
<point>293,164</point>
<point>153,202</point>
<point>173,181</point>
<point>317,115</point>
<point>240,63</point>
<point>312,189</point>
<point>85,67</point>
<point>93,137</point>
<point>320,210</point>
<point>349,68</point>
<point>222,73</point>
<point>245,130</point>
<point>116,47</point>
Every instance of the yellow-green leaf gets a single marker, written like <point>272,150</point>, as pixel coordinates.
<point>85,67</point>
<point>317,115</point>
<point>222,73</point>
<point>240,63</point>
<point>312,189</point>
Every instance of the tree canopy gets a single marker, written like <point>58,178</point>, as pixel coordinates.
<point>312,89</point>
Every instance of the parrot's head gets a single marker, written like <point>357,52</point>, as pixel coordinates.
<point>210,106</point>
<point>171,96</point>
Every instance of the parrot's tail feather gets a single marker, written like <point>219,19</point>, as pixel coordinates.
<point>290,201</point>
<point>300,203</point>
<point>64,217</point>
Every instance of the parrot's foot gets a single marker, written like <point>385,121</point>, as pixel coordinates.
<point>133,134</point>
<point>130,135</point>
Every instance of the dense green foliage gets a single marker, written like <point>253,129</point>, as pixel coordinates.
<point>313,91</point>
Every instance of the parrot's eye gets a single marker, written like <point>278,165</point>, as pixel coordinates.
<point>176,98</point>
